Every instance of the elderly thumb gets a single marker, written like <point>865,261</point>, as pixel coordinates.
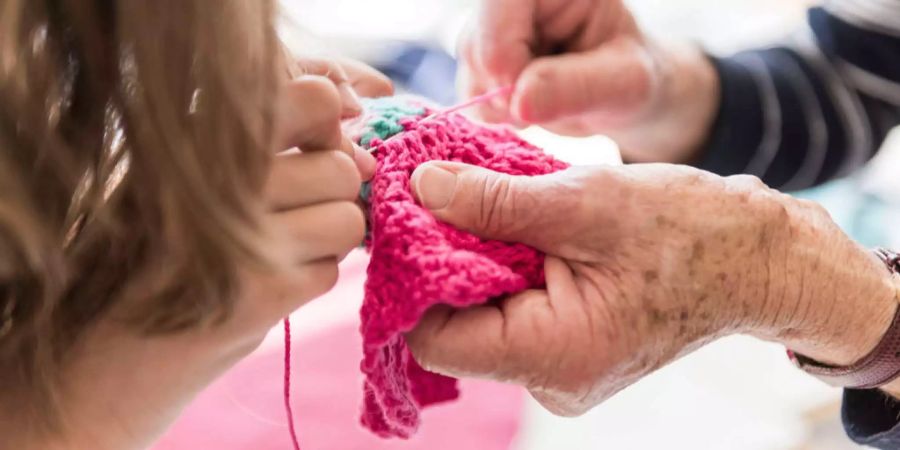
<point>486,203</point>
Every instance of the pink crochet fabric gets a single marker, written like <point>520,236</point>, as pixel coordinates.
<point>418,262</point>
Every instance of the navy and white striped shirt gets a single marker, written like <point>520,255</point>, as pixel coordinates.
<point>815,108</point>
<point>809,111</point>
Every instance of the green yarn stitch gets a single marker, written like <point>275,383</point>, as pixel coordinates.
<point>387,113</point>
<point>365,191</point>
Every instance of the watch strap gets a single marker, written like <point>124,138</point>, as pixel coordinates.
<point>879,367</point>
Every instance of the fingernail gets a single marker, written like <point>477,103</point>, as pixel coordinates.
<point>518,110</point>
<point>520,106</point>
<point>350,101</point>
<point>365,162</point>
<point>434,186</point>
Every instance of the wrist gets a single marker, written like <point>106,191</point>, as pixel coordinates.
<point>828,298</point>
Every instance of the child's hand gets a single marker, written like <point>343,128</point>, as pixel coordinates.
<point>350,77</point>
<point>311,194</point>
<point>123,389</point>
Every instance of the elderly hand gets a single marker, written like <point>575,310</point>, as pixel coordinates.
<point>584,67</point>
<point>645,263</point>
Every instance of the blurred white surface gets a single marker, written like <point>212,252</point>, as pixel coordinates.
<point>737,394</point>
<point>575,151</point>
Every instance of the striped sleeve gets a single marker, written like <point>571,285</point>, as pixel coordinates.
<point>815,108</point>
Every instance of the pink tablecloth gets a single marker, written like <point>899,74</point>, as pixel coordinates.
<point>243,410</point>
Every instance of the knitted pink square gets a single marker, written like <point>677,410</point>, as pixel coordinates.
<point>418,262</point>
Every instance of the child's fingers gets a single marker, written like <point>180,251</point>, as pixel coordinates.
<point>336,73</point>
<point>269,297</point>
<point>363,79</point>
<point>309,117</point>
<point>317,237</point>
<point>365,162</point>
<point>366,81</point>
<point>324,230</point>
<point>299,179</point>
<point>312,280</point>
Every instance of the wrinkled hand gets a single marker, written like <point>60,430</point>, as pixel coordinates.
<point>124,388</point>
<point>645,263</point>
<point>584,67</point>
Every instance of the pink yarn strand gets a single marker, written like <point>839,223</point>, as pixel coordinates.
<point>287,383</point>
<point>483,98</point>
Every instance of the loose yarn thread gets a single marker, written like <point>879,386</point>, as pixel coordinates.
<point>474,101</point>
<point>287,383</point>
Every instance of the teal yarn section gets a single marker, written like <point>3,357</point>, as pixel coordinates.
<point>382,120</point>
<point>383,117</point>
<point>386,114</point>
<point>364,191</point>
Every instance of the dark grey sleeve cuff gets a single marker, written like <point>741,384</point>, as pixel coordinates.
<point>738,128</point>
<point>763,128</point>
<point>780,117</point>
<point>871,418</point>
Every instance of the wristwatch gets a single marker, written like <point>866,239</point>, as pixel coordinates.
<point>879,367</point>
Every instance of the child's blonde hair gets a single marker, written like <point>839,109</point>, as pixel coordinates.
<point>134,140</point>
